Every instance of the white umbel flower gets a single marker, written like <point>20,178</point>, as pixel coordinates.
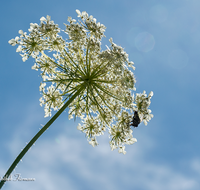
<point>96,85</point>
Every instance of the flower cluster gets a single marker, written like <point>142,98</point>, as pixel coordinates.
<point>96,85</point>
<point>142,104</point>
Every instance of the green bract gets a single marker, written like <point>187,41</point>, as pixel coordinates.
<point>103,79</point>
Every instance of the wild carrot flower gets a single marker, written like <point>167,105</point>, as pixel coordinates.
<point>97,84</point>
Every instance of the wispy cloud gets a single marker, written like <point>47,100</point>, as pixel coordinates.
<point>66,162</point>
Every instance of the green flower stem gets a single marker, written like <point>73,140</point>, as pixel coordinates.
<point>33,140</point>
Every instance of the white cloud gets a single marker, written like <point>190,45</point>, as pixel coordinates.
<point>74,164</point>
<point>195,165</point>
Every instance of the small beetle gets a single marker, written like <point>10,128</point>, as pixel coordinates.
<point>136,120</point>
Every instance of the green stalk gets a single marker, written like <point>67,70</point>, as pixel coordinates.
<point>33,140</point>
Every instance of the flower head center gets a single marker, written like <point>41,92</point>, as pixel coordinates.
<point>87,79</point>
<point>55,42</point>
<point>33,44</point>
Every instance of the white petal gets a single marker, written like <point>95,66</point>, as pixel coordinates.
<point>42,19</point>
<point>12,42</point>
<point>19,48</point>
<point>151,93</point>
<point>48,17</point>
<point>21,32</point>
<point>78,12</point>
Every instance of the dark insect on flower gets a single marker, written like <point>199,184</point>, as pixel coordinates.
<point>136,120</point>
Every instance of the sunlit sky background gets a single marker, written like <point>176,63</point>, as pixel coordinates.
<point>162,38</point>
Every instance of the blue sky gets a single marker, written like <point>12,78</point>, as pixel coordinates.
<point>162,38</point>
